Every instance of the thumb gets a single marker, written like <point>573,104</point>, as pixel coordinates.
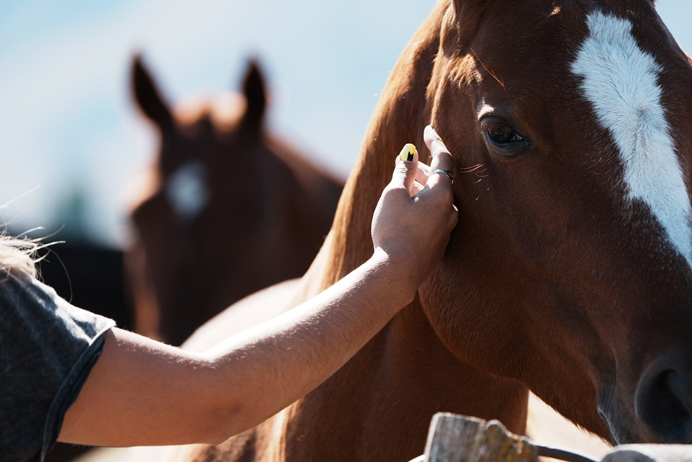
<point>406,167</point>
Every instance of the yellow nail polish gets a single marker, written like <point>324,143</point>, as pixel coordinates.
<point>408,152</point>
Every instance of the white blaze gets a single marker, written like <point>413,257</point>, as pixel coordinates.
<point>621,82</point>
<point>187,191</point>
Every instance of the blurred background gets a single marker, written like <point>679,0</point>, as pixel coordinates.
<point>71,138</point>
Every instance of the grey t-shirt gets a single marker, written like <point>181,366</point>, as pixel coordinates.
<point>47,349</point>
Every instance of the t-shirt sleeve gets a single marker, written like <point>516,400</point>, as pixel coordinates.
<point>47,349</point>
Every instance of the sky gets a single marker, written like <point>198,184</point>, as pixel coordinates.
<point>69,131</point>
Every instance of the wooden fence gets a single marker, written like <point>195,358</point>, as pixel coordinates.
<point>455,438</point>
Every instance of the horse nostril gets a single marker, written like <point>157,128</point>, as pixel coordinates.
<point>663,403</point>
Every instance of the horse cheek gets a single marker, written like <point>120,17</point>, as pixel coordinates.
<point>454,322</point>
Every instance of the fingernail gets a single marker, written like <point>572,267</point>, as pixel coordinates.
<point>408,153</point>
<point>433,131</point>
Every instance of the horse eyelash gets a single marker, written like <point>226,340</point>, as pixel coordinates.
<point>478,170</point>
<point>475,169</point>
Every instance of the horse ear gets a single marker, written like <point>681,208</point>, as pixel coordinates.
<point>466,7</point>
<point>457,4</point>
<point>147,95</point>
<point>255,96</point>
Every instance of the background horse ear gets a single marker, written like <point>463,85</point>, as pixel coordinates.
<point>255,96</point>
<point>148,97</point>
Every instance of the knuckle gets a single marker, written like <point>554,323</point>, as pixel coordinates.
<point>402,168</point>
<point>393,190</point>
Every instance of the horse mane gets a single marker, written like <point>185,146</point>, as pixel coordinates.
<point>223,110</point>
<point>396,121</point>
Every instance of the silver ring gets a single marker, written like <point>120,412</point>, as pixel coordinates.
<point>449,173</point>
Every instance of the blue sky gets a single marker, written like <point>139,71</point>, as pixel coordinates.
<point>67,123</point>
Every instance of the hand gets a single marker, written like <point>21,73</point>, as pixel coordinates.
<point>415,214</point>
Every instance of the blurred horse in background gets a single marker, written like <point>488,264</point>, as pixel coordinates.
<point>226,210</point>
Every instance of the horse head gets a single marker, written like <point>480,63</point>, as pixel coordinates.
<point>229,208</point>
<point>571,266</point>
<point>575,245</point>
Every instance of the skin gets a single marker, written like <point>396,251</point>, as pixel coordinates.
<point>139,388</point>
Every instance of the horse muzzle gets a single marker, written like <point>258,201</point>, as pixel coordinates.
<point>663,399</point>
<point>660,410</point>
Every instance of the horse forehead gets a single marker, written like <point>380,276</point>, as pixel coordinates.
<point>187,190</point>
<point>621,82</point>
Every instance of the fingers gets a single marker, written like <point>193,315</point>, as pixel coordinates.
<point>417,187</point>
<point>441,158</point>
<point>413,175</point>
<point>423,173</point>
<point>406,168</point>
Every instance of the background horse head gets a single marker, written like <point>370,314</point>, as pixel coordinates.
<point>229,209</point>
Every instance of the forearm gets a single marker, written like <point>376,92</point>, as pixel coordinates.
<point>271,366</point>
<point>142,392</point>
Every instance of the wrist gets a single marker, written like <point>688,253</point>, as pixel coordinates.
<point>399,272</point>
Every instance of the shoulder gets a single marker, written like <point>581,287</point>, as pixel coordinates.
<point>48,348</point>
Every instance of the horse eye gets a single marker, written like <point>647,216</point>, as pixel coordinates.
<point>501,133</point>
<point>502,139</point>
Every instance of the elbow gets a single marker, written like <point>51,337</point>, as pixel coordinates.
<point>223,423</point>
<point>233,406</point>
<point>219,414</point>
<point>234,421</point>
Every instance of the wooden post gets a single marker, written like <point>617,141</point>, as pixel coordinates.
<point>455,438</point>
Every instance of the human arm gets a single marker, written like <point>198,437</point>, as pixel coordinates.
<point>141,392</point>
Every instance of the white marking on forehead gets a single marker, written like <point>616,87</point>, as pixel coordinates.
<point>621,81</point>
<point>187,191</point>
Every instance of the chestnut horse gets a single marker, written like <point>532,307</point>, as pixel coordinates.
<point>570,271</point>
<point>229,210</point>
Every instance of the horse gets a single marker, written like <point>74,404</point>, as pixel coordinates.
<point>569,273</point>
<point>226,210</point>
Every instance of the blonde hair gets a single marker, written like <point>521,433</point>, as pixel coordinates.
<point>18,254</point>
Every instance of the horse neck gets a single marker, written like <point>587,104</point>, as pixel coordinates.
<point>379,405</point>
<point>405,372</point>
<point>296,190</point>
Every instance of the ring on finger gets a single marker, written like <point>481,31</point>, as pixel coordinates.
<point>449,173</point>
